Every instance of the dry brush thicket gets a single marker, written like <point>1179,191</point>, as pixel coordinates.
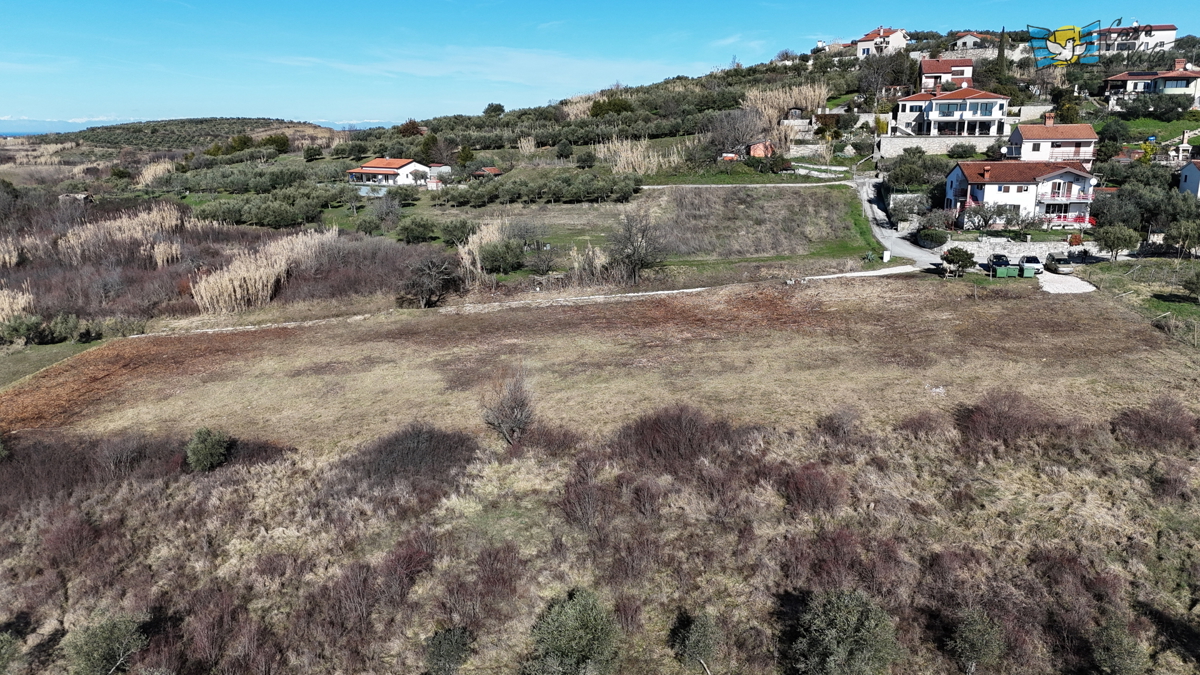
<point>97,261</point>
<point>1071,538</point>
<point>630,156</point>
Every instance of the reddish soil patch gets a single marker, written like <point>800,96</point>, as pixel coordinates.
<point>60,394</point>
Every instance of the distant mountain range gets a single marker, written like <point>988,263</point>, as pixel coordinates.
<point>27,127</point>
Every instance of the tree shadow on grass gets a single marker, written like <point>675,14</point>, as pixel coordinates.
<point>1180,634</point>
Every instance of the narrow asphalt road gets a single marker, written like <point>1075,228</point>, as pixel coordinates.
<point>882,230</point>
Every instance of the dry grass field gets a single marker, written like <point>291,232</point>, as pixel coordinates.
<point>1053,533</point>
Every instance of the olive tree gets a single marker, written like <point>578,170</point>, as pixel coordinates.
<point>207,449</point>
<point>977,640</point>
<point>447,650</point>
<point>575,635</point>
<point>1116,238</point>
<point>844,633</point>
<point>694,639</point>
<point>105,646</point>
<point>958,259</point>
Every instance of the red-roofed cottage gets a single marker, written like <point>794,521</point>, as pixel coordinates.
<point>971,41</point>
<point>387,172</point>
<point>936,72</point>
<point>881,41</point>
<point>1059,192</point>
<point>1053,142</point>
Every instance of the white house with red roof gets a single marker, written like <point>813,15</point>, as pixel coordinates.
<point>386,172</point>
<point>1050,142</point>
<point>936,72</point>
<point>1059,192</point>
<point>881,41</point>
<point>971,41</point>
<point>1136,38</point>
<point>1181,79</point>
<point>962,112</point>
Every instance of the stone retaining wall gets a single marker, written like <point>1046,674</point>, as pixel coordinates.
<point>1015,249</point>
<point>893,146</point>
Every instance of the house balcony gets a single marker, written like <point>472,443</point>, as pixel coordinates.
<point>1064,197</point>
<point>1083,155</point>
<point>1070,220</point>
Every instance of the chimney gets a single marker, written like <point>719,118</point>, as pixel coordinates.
<point>1180,64</point>
<point>987,171</point>
<point>1049,119</point>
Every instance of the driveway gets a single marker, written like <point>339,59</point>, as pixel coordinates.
<point>882,230</point>
<point>1063,283</point>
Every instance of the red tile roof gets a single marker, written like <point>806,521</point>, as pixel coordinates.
<point>880,32</point>
<point>956,95</point>
<point>1016,171</point>
<point>943,66</point>
<point>1057,132</point>
<point>385,172</point>
<point>984,37</point>
<point>387,163</point>
<point>1152,75</point>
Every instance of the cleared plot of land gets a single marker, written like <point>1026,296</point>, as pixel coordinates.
<point>765,355</point>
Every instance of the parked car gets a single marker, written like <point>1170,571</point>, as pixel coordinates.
<point>1059,263</point>
<point>998,260</point>
<point>1031,261</point>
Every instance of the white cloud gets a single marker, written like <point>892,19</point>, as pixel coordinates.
<point>724,42</point>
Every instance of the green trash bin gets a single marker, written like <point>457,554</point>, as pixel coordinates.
<point>1027,272</point>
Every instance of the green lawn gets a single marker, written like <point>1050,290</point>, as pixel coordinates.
<point>1164,130</point>
<point>32,359</point>
<point>839,100</point>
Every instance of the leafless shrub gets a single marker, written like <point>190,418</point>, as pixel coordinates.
<point>634,556</point>
<point>1005,416</point>
<point>831,560</point>
<point>65,542</point>
<point>403,564</point>
<point>672,440</point>
<point>587,503</point>
<point>811,489</point>
<point>420,454</point>
<point>214,615</point>
<point>461,603</point>
<point>1165,423</point>
<point>556,441</point>
<point>508,407</point>
<point>842,427</point>
<point>646,497</point>
<point>628,610</point>
<point>928,425</point>
<point>500,569</point>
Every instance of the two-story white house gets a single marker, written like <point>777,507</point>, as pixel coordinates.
<point>386,172</point>
<point>963,112</point>
<point>936,72</point>
<point>1179,80</point>
<point>881,41</point>
<point>1135,38</point>
<point>1059,192</point>
<point>1050,142</point>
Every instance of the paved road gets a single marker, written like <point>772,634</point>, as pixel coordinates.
<point>880,226</point>
<point>901,269</point>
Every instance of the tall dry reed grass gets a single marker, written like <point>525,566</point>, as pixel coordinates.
<point>253,278</point>
<point>579,107</point>
<point>10,252</point>
<point>527,145</point>
<point>470,254</point>
<point>14,302</point>
<point>154,171</point>
<point>99,240</point>
<point>773,104</point>
<point>629,156</point>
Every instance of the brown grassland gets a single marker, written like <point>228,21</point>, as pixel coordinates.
<point>1053,530</point>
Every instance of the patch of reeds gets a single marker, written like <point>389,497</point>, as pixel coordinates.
<point>14,302</point>
<point>112,238</point>
<point>630,156</point>
<point>527,145</point>
<point>253,278</point>
<point>154,171</point>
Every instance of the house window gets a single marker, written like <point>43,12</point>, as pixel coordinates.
<point>1004,189</point>
<point>1176,84</point>
<point>903,108</point>
<point>1057,209</point>
<point>1023,188</point>
<point>1037,147</point>
<point>866,52</point>
<point>1055,144</point>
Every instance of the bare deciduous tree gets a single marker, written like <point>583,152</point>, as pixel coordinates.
<point>431,279</point>
<point>733,129</point>
<point>508,407</point>
<point>636,246</point>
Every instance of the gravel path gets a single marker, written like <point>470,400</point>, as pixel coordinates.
<point>890,239</point>
<point>1063,283</point>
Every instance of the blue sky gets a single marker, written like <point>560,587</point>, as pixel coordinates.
<point>339,63</point>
